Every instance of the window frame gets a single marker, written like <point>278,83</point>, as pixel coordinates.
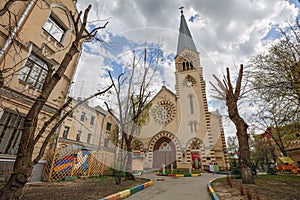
<point>11,128</point>
<point>82,116</point>
<point>92,121</point>
<point>106,142</point>
<point>108,126</point>
<point>66,133</point>
<point>78,135</point>
<point>55,25</point>
<point>35,71</point>
<point>89,138</point>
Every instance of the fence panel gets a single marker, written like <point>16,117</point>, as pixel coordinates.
<point>66,161</point>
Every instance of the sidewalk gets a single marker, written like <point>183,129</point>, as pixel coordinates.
<point>175,188</point>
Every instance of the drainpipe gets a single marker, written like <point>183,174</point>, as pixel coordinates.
<point>16,28</point>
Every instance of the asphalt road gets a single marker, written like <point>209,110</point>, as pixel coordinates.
<point>175,188</point>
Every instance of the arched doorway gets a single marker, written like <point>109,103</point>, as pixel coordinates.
<point>164,152</point>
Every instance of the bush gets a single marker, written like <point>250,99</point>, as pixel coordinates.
<point>271,170</point>
<point>235,170</point>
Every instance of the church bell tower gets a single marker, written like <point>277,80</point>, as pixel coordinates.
<point>190,89</point>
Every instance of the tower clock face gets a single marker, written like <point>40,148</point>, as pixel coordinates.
<point>189,81</point>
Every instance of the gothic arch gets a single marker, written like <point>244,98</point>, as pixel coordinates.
<point>137,145</point>
<point>166,134</point>
<point>194,146</point>
<point>159,154</point>
<point>194,141</point>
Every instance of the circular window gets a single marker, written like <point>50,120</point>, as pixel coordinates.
<point>164,112</point>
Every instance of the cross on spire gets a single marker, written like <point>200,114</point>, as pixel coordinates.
<point>181,9</point>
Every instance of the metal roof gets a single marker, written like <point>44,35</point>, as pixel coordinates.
<point>185,39</point>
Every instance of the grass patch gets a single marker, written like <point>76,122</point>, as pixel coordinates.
<point>101,179</point>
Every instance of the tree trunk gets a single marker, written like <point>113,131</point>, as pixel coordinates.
<point>22,171</point>
<point>23,164</point>
<point>244,157</point>
<point>129,173</point>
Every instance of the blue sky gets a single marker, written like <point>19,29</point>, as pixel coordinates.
<point>226,33</point>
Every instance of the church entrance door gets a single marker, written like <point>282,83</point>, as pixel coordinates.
<point>164,153</point>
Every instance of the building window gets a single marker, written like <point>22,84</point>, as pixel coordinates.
<point>191,64</point>
<point>34,72</point>
<point>82,116</point>
<point>191,127</point>
<point>106,142</point>
<point>196,126</point>
<point>108,126</point>
<point>89,137</point>
<point>11,127</point>
<point>92,120</point>
<point>78,135</point>
<point>66,132</point>
<point>191,104</point>
<point>54,28</point>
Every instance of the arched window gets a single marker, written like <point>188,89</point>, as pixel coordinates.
<point>187,65</point>
<point>191,104</point>
<point>195,126</point>
<point>183,66</point>
<point>191,127</point>
<point>191,64</point>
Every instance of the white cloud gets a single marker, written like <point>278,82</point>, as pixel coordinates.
<point>225,33</point>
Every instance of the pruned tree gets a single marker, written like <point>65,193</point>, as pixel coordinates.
<point>231,96</point>
<point>132,91</point>
<point>24,162</point>
<point>276,82</point>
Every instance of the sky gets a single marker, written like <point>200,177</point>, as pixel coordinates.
<point>226,34</point>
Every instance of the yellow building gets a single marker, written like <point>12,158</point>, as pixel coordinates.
<point>35,35</point>
<point>90,129</point>
<point>180,129</point>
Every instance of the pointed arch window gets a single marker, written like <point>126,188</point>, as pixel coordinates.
<point>195,126</point>
<point>183,66</point>
<point>191,65</point>
<point>191,127</point>
<point>191,104</point>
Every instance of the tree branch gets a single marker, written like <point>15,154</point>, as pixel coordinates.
<point>53,130</point>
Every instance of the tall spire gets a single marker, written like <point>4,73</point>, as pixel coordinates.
<point>185,39</point>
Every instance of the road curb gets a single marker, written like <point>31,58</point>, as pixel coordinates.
<point>211,191</point>
<point>126,193</point>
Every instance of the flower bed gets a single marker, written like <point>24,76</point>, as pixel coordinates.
<point>178,173</point>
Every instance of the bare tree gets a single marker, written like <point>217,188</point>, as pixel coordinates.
<point>231,96</point>
<point>24,162</point>
<point>130,104</point>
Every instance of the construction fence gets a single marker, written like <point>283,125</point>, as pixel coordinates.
<point>67,162</point>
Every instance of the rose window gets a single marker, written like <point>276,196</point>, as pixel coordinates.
<point>164,112</point>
